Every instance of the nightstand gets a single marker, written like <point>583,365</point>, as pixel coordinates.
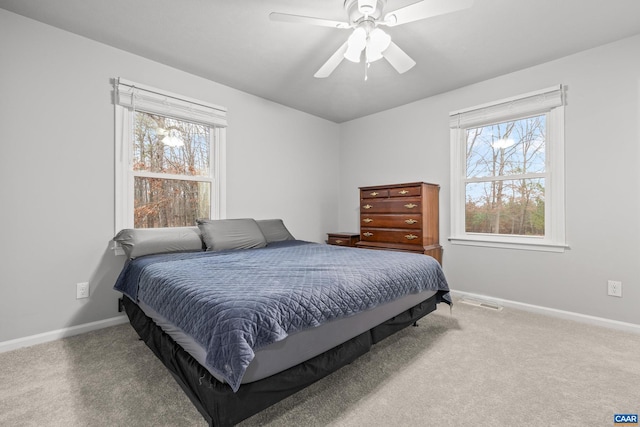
<point>343,239</point>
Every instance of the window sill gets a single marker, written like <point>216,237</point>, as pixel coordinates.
<point>518,243</point>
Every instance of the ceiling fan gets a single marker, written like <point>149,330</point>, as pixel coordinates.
<point>367,42</point>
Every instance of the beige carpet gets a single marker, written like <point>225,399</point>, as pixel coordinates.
<point>472,367</point>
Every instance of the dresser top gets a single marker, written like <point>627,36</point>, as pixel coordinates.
<point>409,184</point>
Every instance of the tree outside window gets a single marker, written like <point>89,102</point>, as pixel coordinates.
<point>505,178</point>
<point>179,150</point>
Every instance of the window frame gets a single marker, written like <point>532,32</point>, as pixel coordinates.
<point>549,102</point>
<point>130,97</point>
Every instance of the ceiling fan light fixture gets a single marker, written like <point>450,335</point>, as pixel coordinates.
<point>356,43</point>
<point>358,39</point>
<point>379,40</point>
<point>377,43</point>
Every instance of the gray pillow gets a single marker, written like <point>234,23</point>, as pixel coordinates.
<point>274,230</point>
<point>146,241</point>
<point>224,234</point>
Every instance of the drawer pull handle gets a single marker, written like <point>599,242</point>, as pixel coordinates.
<point>403,192</point>
<point>410,206</point>
<point>339,241</point>
<point>410,221</point>
<point>367,207</point>
<point>367,234</point>
<point>367,220</point>
<point>375,193</point>
<point>411,236</point>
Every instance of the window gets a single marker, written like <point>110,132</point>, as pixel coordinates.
<point>169,158</point>
<point>507,173</point>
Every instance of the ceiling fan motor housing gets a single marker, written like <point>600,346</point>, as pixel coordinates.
<point>357,9</point>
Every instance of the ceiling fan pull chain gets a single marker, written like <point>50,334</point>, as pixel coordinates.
<point>366,70</point>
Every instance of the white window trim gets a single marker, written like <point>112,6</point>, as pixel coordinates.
<point>130,96</point>
<point>548,101</point>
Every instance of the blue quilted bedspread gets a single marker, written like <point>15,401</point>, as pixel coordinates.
<point>234,302</point>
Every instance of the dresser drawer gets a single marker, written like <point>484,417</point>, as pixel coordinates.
<point>373,194</point>
<point>405,192</point>
<point>391,235</point>
<point>391,221</point>
<point>404,206</point>
<point>343,239</point>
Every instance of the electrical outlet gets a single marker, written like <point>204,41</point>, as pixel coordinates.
<point>82,290</point>
<point>614,288</point>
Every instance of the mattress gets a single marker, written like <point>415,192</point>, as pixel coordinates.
<point>296,347</point>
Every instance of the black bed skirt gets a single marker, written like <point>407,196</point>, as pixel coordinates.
<point>215,400</point>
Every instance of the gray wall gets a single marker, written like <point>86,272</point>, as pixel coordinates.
<point>57,175</point>
<point>411,143</point>
<point>57,170</point>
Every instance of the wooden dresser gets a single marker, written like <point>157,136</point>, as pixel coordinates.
<point>401,217</point>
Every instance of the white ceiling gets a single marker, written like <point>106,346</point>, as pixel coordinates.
<point>234,42</point>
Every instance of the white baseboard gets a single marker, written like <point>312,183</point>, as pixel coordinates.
<point>61,333</point>
<point>88,327</point>
<point>582,318</point>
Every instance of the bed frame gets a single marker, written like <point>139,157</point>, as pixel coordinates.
<point>219,405</point>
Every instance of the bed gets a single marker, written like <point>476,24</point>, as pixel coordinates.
<point>244,315</point>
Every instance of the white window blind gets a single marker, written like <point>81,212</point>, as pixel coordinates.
<point>145,98</point>
<point>528,104</point>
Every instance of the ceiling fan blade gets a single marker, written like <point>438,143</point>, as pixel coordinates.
<point>298,19</point>
<point>332,63</point>
<point>398,58</point>
<point>424,9</point>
